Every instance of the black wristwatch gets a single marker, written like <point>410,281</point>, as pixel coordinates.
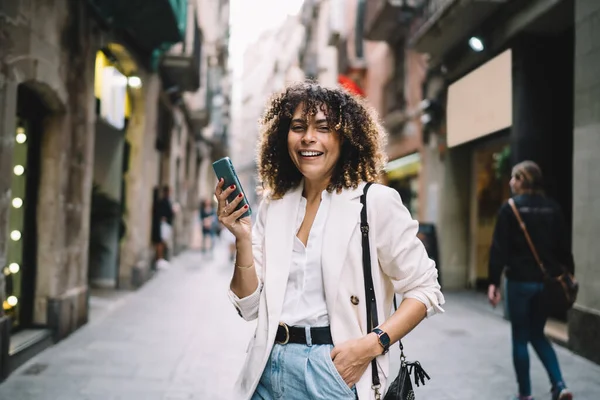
<point>384,339</point>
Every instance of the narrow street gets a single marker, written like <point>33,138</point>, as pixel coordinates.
<point>178,338</point>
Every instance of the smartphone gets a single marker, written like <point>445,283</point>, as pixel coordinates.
<point>224,169</point>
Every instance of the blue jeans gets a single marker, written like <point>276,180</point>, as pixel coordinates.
<point>528,317</point>
<point>299,372</point>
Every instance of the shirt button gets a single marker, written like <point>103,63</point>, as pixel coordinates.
<point>354,300</point>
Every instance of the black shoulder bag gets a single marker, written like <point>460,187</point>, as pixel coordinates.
<point>401,388</point>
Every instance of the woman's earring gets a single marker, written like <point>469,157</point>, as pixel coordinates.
<point>338,126</point>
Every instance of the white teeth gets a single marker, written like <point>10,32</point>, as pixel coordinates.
<point>310,153</point>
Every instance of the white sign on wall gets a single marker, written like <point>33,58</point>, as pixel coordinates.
<point>112,100</point>
<point>481,102</point>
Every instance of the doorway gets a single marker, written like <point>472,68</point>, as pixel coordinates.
<point>21,266</point>
<point>108,188</point>
<point>489,190</point>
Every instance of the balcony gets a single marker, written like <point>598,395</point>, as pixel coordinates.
<point>199,119</point>
<point>441,24</point>
<point>395,116</point>
<point>148,24</point>
<point>387,20</point>
<point>183,70</point>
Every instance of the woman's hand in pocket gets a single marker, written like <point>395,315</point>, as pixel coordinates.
<point>352,357</point>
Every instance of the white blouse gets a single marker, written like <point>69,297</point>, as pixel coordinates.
<point>304,302</point>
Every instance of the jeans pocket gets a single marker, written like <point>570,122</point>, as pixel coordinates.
<point>338,378</point>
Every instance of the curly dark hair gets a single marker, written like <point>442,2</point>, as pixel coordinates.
<point>362,156</point>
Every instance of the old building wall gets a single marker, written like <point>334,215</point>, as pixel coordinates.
<point>584,319</point>
<point>8,92</point>
<point>140,179</point>
<point>49,47</point>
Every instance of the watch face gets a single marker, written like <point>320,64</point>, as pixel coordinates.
<point>385,340</point>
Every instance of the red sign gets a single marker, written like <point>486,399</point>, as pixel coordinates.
<point>350,85</point>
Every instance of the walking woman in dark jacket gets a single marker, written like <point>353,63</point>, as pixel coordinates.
<point>528,313</point>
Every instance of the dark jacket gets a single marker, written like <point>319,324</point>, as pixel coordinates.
<point>546,226</point>
<point>165,210</point>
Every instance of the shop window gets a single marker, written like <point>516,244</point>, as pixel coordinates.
<point>403,176</point>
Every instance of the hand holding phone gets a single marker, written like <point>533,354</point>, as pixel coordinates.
<point>224,170</point>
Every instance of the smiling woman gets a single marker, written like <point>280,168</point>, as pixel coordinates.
<point>307,116</point>
<point>299,270</point>
<point>313,146</point>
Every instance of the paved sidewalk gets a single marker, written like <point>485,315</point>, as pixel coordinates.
<point>175,338</point>
<point>178,338</point>
<point>467,353</point>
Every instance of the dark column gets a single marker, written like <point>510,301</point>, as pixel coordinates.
<point>543,110</point>
<point>543,113</point>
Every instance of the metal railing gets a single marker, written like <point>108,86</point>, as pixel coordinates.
<point>429,11</point>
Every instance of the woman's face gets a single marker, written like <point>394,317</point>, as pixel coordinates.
<point>313,146</point>
<point>516,186</point>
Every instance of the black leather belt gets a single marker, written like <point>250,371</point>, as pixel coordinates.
<point>297,334</point>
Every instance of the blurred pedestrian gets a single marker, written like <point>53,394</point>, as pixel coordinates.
<point>300,271</point>
<point>527,310</point>
<point>208,219</point>
<point>163,213</point>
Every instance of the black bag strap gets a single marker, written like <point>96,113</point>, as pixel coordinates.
<point>371,301</point>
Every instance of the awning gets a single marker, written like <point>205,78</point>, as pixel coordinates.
<point>404,167</point>
<point>151,24</point>
<point>183,70</point>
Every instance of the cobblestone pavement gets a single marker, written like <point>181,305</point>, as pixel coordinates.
<point>178,338</point>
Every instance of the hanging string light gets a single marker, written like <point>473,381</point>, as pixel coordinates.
<point>21,136</point>
<point>14,268</point>
<point>19,170</point>
<point>17,202</point>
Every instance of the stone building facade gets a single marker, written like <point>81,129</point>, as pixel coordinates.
<point>584,319</point>
<point>92,121</point>
<point>46,88</point>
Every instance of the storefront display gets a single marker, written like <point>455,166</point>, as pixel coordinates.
<point>20,267</point>
<point>402,174</point>
<point>490,191</point>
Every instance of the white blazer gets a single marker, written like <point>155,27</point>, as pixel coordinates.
<point>404,268</point>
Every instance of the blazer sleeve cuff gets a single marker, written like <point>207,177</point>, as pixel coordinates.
<point>247,307</point>
<point>433,301</point>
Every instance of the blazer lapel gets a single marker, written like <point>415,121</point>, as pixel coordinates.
<point>343,219</point>
<point>279,240</point>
